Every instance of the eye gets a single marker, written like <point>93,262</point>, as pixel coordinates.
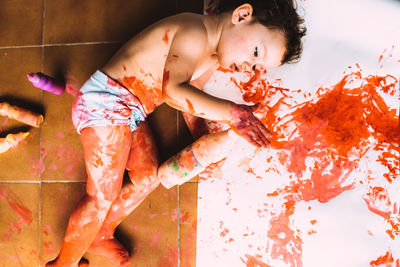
<point>256,52</point>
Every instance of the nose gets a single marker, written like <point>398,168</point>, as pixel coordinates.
<point>246,66</point>
<point>257,66</point>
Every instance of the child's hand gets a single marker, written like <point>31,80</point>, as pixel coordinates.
<point>245,124</point>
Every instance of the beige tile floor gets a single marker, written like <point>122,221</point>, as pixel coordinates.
<point>43,178</point>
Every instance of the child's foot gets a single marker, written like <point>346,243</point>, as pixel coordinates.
<point>112,250</point>
<point>82,263</point>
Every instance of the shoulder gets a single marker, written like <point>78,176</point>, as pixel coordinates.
<point>190,30</point>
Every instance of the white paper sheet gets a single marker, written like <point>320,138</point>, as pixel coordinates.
<point>248,214</point>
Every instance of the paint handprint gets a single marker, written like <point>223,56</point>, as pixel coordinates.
<point>245,124</point>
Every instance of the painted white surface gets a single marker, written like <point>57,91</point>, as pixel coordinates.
<point>234,211</point>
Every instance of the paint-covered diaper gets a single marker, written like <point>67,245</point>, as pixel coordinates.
<point>102,102</point>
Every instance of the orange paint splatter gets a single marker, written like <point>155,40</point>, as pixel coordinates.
<point>254,262</point>
<point>385,259</point>
<point>333,131</point>
<point>165,37</point>
<point>190,106</point>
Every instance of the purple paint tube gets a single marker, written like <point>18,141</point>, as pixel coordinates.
<point>47,83</point>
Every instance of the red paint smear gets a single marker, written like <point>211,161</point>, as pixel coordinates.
<point>165,37</point>
<point>170,257</point>
<point>16,204</point>
<point>224,232</point>
<point>287,245</point>
<point>334,131</point>
<point>187,161</point>
<point>334,127</point>
<point>72,85</point>
<point>190,106</point>
<point>213,170</point>
<point>254,262</point>
<point>165,79</point>
<point>378,194</point>
<point>387,258</point>
<point>224,70</point>
<point>150,97</point>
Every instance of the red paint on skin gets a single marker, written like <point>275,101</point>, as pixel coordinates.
<point>142,174</point>
<point>165,79</point>
<point>186,163</point>
<point>190,106</point>
<point>149,97</point>
<point>197,126</point>
<point>103,185</point>
<point>165,37</point>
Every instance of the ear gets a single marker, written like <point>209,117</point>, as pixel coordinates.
<point>242,13</point>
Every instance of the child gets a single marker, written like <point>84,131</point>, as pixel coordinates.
<point>167,62</point>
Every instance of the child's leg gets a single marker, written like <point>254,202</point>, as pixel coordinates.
<point>195,158</point>
<point>142,167</point>
<point>106,153</point>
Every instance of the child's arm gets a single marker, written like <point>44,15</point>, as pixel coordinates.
<point>187,50</point>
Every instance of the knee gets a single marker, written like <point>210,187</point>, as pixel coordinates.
<point>102,200</point>
<point>144,181</point>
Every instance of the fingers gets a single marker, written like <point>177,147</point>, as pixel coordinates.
<point>255,107</point>
<point>251,140</point>
<point>264,129</point>
<point>261,132</point>
<point>255,136</point>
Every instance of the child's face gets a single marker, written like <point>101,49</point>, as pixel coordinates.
<point>245,46</point>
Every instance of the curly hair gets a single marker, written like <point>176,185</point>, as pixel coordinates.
<point>276,14</point>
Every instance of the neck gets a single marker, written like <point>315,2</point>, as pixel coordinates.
<point>215,26</point>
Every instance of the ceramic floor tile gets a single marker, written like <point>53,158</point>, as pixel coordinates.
<point>163,123</point>
<point>22,162</point>
<point>151,230</point>
<point>187,224</point>
<point>58,202</point>
<point>21,22</point>
<point>103,20</point>
<point>62,153</point>
<point>19,224</point>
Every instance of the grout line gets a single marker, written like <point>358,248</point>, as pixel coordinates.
<point>60,44</point>
<point>178,190</point>
<point>39,181</point>
<point>63,181</point>
<point>19,182</point>
<point>40,141</point>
